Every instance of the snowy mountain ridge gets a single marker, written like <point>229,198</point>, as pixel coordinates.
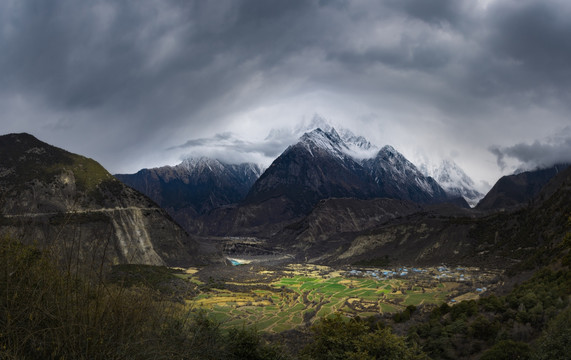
<point>356,146</point>
<point>402,169</point>
<point>196,185</point>
<point>202,163</point>
<point>328,141</point>
<point>453,179</point>
<point>387,163</point>
<point>385,172</point>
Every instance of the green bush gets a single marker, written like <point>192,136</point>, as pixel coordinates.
<point>555,343</point>
<point>339,338</point>
<point>507,350</point>
<point>246,344</point>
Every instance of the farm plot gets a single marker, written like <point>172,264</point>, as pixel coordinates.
<point>296,300</point>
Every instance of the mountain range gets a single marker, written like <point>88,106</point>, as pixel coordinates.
<point>322,164</point>
<point>316,202</point>
<point>334,197</point>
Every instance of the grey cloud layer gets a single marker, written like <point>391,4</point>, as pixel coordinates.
<point>109,53</point>
<point>539,154</point>
<point>150,69</point>
<point>229,143</point>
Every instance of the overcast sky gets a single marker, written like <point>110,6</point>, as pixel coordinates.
<point>143,83</point>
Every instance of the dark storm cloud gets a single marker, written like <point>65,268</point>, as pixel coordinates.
<point>437,12</point>
<point>539,154</point>
<point>525,53</point>
<point>172,59</point>
<point>535,34</point>
<point>144,75</point>
<point>153,59</point>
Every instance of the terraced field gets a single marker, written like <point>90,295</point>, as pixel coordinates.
<point>294,300</point>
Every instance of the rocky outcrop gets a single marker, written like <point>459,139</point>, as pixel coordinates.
<point>70,205</point>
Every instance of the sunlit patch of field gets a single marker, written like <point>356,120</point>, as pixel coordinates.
<point>467,296</point>
<point>305,294</point>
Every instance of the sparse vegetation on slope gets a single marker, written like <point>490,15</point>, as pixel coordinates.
<point>507,324</point>
<point>30,159</point>
<point>50,313</point>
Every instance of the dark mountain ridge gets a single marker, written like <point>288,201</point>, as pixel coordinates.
<point>194,187</point>
<point>518,189</point>
<point>524,236</point>
<point>200,184</point>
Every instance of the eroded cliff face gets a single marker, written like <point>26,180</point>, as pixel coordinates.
<point>70,205</point>
<point>114,236</point>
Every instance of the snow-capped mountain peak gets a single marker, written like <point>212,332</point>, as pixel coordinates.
<point>328,141</point>
<point>341,144</point>
<point>192,164</point>
<point>453,179</point>
<point>399,178</point>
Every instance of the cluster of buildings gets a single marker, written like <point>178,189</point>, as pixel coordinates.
<point>439,273</point>
<point>401,272</point>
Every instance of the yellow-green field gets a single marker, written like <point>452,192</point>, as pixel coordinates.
<point>294,300</point>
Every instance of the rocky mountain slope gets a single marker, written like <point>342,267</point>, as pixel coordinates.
<point>71,205</point>
<point>524,236</point>
<point>332,221</point>
<point>518,189</point>
<point>398,178</point>
<point>317,167</point>
<point>195,186</point>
